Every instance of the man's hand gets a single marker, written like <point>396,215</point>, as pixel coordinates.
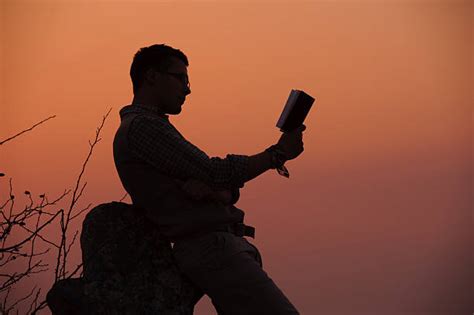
<point>292,142</point>
<point>198,190</point>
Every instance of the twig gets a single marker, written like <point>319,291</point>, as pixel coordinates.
<point>80,212</point>
<point>19,301</point>
<point>123,198</point>
<point>76,194</point>
<point>31,236</point>
<point>26,130</point>
<point>18,252</point>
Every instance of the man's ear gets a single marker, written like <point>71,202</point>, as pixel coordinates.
<point>151,76</point>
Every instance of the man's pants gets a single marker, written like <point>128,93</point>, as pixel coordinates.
<point>229,270</point>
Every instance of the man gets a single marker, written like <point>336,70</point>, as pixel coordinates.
<point>189,195</point>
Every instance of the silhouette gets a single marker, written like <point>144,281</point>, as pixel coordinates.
<point>189,195</point>
<point>189,237</point>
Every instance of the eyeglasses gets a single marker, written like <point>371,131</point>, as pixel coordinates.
<point>183,77</point>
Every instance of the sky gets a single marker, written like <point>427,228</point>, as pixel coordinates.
<point>376,217</point>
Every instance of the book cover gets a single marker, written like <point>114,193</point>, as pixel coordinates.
<point>295,111</point>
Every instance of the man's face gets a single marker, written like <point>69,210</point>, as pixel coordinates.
<point>170,87</point>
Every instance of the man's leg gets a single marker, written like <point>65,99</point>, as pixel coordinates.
<point>229,270</point>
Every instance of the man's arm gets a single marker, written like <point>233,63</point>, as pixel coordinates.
<point>258,164</point>
<point>290,143</point>
<point>162,146</point>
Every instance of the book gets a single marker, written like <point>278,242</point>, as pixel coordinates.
<point>295,111</point>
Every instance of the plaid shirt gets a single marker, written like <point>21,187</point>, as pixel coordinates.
<point>153,139</point>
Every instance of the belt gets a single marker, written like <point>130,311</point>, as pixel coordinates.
<point>238,229</point>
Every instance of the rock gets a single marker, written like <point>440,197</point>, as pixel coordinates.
<point>128,268</point>
<point>67,297</point>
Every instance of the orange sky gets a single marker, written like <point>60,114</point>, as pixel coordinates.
<point>376,216</point>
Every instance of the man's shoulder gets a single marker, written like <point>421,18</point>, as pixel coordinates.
<point>139,126</point>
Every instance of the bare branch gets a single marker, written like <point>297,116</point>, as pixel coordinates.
<point>75,270</point>
<point>31,220</point>
<point>17,276</point>
<point>91,149</point>
<point>40,236</point>
<point>39,307</point>
<point>26,130</point>
<point>19,301</point>
<point>72,242</point>
<point>76,194</point>
<point>34,303</point>
<point>123,198</point>
<point>31,236</point>
<point>80,212</point>
<point>80,192</point>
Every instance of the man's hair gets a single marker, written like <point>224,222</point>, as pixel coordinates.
<point>155,57</point>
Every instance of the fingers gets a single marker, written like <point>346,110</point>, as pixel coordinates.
<point>298,130</point>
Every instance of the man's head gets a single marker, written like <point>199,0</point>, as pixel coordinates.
<point>160,77</point>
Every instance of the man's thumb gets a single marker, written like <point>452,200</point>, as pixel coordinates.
<point>301,128</point>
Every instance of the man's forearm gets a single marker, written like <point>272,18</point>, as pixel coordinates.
<point>258,164</point>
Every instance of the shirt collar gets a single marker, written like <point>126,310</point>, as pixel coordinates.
<point>142,108</point>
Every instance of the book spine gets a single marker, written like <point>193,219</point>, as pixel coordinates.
<point>287,109</point>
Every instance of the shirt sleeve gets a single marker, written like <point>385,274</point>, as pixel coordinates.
<point>158,143</point>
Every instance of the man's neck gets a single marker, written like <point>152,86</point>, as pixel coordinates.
<point>146,103</point>
<point>149,105</point>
